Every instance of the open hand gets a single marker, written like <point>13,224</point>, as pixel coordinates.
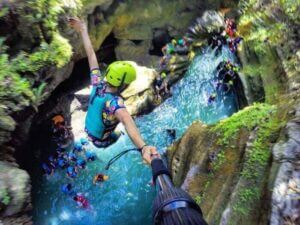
<point>148,152</point>
<point>77,24</point>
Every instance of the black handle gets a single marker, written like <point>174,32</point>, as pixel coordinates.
<point>159,168</point>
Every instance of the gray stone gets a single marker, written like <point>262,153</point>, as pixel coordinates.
<point>212,21</point>
<point>286,191</point>
<point>17,184</point>
<point>128,50</point>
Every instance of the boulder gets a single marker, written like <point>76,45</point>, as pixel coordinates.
<point>15,190</point>
<point>139,52</point>
<point>210,22</point>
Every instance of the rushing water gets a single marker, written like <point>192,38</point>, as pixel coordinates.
<point>126,198</point>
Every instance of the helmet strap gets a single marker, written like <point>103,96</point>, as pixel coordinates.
<point>122,86</point>
<point>123,79</point>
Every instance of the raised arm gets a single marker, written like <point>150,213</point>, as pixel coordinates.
<point>81,28</point>
<point>134,134</point>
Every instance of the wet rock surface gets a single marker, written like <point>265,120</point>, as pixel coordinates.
<point>286,192</point>
<point>194,170</point>
<point>15,194</point>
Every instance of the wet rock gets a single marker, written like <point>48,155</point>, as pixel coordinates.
<point>16,184</point>
<point>183,158</point>
<point>211,173</point>
<point>7,125</point>
<point>253,85</point>
<point>128,50</point>
<point>190,176</point>
<point>19,220</point>
<point>286,191</point>
<point>210,22</point>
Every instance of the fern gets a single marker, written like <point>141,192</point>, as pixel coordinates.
<point>39,95</point>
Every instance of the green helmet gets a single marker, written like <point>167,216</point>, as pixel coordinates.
<point>119,73</point>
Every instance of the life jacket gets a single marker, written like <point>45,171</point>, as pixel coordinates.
<point>93,121</point>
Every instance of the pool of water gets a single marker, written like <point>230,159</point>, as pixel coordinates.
<point>126,198</point>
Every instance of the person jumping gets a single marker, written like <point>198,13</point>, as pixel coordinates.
<point>106,107</point>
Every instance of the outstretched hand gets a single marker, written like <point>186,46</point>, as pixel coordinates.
<point>148,152</point>
<point>77,24</point>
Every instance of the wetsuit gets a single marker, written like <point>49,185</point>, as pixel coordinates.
<point>100,121</point>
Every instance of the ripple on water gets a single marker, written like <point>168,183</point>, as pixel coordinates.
<point>126,198</point>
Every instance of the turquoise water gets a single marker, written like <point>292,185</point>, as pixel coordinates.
<point>126,198</point>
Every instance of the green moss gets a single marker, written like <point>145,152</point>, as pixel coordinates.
<point>198,199</point>
<point>291,8</point>
<point>247,118</point>
<point>4,197</point>
<point>201,196</point>
<point>260,150</point>
<point>219,161</point>
<point>4,11</point>
<point>264,28</point>
<point>265,120</point>
<point>260,116</point>
<point>246,196</point>
<point>58,53</point>
<point>16,91</point>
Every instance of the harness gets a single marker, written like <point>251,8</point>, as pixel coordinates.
<point>94,123</point>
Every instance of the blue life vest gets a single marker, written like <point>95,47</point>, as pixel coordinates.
<point>93,121</point>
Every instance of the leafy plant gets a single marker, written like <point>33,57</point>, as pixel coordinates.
<point>39,95</point>
<point>4,11</point>
<point>16,91</point>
